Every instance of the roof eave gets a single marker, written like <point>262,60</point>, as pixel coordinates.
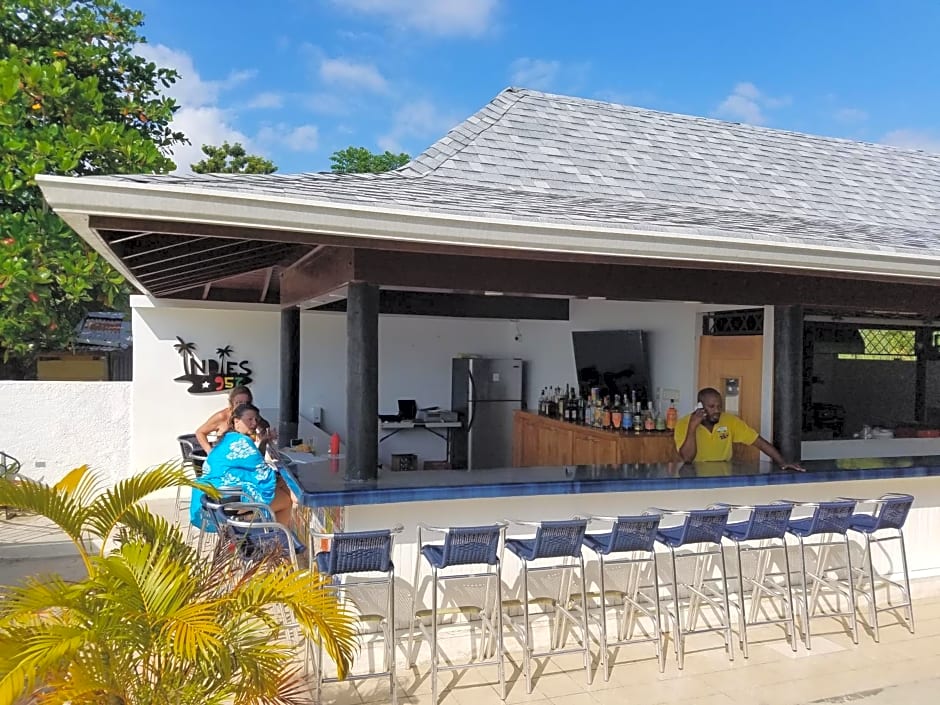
<point>75,199</point>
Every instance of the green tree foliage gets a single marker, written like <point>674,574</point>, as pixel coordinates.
<point>359,160</point>
<point>74,100</point>
<point>231,159</point>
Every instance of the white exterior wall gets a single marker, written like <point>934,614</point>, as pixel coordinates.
<point>414,361</point>
<point>52,427</point>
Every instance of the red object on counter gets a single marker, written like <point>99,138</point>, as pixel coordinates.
<point>334,444</point>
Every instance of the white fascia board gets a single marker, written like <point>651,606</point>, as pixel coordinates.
<point>108,197</point>
<point>143,301</point>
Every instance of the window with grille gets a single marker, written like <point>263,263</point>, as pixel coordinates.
<point>885,344</point>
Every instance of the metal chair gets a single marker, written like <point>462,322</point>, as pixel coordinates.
<point>885,516</point>
<point>357,553</point>
<point>212,516</point>
<point>633,539</point>
<point>461,546</point>
<point>702,529</point>
<point>763,531</point>
<point>191,461</point>
<point>553,539</point>
<point>9,470</point>
<point>829,521</point>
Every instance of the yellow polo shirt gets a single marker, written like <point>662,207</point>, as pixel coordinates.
<point>717,444</point>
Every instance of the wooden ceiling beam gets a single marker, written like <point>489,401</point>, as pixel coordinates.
<point>320,273</point>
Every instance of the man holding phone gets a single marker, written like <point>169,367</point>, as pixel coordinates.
<point>708,434</point>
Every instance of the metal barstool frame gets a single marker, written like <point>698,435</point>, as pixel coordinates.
<point>633,592</point>
<point>698,587</point>
<point>525,635</point>
<point>759,585</point>
<point>389,629</point>
<point>825,527</point>
<point>499,528</point>
<point>876,509</point>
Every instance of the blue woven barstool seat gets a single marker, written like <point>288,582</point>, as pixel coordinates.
<point>760,534</point>
<point>881,521</point>
<point>829,522</point>
<point>631,541</point>
<point>361,554</point>
<point>702,530</point>
<point>553,539</point>
<point>463,547</point>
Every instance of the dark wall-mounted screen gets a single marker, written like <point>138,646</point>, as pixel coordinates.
<point>615,360</point>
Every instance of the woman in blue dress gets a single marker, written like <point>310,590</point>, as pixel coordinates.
<point>236,461</point>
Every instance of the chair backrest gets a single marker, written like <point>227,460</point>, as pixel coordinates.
<point>554,539</point>
<point>831,517</point>
<point>360,552</point>
<point>892,511</point>
<point>704,526</point>
<point>636,533</point>
<point>767,521</point>
<point>187,445</point>
<point>466,545</point>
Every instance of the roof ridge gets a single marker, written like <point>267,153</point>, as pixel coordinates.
<point>469,129</point>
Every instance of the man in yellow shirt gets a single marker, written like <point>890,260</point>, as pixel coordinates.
<point>708,434</point>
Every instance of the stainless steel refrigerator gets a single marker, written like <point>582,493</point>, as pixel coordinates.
<point>485,392</point>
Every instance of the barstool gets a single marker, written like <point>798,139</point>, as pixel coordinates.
<point>357,552</point>
<point>212,516</point>
<point>634,539</point>
<point>461,546</point>
<point>702,529</point>
<point>763,531</point>
<point>256,534</point>
<point>885,515</point>
<point>553,539</point>
<point>830,521</point>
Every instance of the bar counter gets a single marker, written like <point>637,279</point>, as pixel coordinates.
<point>321,483</point>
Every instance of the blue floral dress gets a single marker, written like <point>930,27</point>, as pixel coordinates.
<point>235,460</point>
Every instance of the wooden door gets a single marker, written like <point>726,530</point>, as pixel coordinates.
<point>735,357</point>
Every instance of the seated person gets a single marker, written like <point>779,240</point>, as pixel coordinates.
<point>708,434</point>
<point>236,461</point>
<point>219,422</point>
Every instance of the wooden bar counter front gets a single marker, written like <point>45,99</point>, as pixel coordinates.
<point>539,440</point>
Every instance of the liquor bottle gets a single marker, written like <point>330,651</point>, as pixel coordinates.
<point>606,418</point>
<point>637,418</point>
<point>560,410</point>
<point>660,420</point>
<point>616,415</point>
<point>672,415</point>
<point>627,415</point>
<point>649,420</point>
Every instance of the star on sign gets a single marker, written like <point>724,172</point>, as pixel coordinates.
<point>205,385</point>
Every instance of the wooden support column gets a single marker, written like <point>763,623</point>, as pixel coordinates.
<point>362,382</point>
<point>788,381</point>
<point>290,375</point>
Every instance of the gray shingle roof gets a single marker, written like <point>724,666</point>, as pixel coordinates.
<point>547,158</point>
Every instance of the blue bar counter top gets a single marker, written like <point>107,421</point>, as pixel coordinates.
<point>321,483</point>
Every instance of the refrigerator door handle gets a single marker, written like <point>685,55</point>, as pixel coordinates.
<point>471,402</point>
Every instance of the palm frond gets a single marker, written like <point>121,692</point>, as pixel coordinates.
<point>107,510</point>
<point>80,483</point>
<point>56,505</point>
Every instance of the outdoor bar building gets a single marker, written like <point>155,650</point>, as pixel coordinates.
<point>804,268</point>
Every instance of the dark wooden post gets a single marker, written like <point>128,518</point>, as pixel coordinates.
<point>788,381</point>
<point>290,375</point>
<point>362,381</point>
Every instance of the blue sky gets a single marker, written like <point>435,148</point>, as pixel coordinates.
<point>296,80</point>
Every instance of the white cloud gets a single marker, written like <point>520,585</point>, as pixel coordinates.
<point>352,75</point>
<point>850,115</point>
<point>267,99</point>
<point>439,17</point>
<point>747,103</point>
<point>927,140</point>
<point>417,120</point>
<point>534,73</point>
<point>190,90</point>
<point>327,104</point>
<point>303,138</point>
<point>202,125</point>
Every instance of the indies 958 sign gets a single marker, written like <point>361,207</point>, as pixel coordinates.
<point>209,376</point>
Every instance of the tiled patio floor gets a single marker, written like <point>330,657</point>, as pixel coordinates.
<point>902,669</point>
